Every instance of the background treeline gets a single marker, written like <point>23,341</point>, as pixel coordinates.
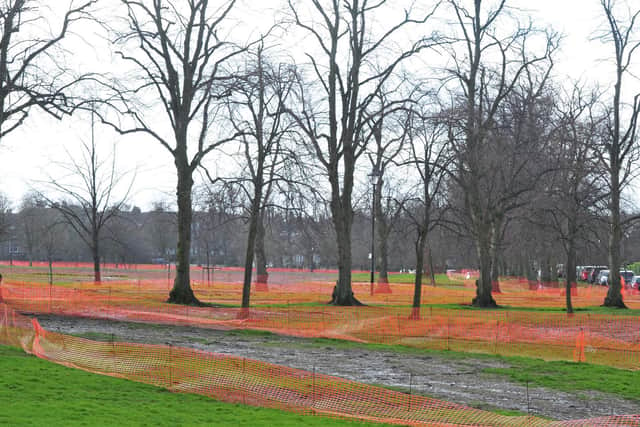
<point>37,232</point>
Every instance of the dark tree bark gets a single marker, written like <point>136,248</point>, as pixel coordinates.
<point>257,112</point>
<point>30,75</point>
<point>420,245</point>
<point>485,88</point>
<point>349,89</point>
<point>89,208</point>
<point>262,275</point>
<point>389,132</point>
<point>181,63</point>
<point>575,187</point>
<point>429,156</point>
<point>620,145</point>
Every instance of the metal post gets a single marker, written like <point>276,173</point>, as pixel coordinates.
<point>373,235</point>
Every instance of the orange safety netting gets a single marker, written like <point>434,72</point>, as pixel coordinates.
<point>595,338</point>
<point>239,380</point>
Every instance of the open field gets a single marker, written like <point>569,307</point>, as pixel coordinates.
<point>531,325</point>
<point>37,392</point>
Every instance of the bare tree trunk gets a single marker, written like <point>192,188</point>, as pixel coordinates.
<point>95,254</point>
<point>343,293</point>
<point>483,285</point>
<point>495,255</point>
<point>182,292</point>
<point>262,276</point>
<point>383,236</point>
<point>532,276</point>
<point>571,272</point>
<point>614,294</point>
<point>248,260</point>
<point>420,246</point>
<point>545,275</point>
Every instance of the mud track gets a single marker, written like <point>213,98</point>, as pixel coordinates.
<point>457,380</point>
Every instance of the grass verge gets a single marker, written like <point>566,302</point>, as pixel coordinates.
<point>572,377</point>
<point>37,392</point>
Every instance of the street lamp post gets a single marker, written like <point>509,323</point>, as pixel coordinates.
<point>374,176</point>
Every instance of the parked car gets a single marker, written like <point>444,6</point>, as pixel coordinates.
<point>635,283</point>
<point>603,278</point>
<point>627,276</point>
<point>593,278</point>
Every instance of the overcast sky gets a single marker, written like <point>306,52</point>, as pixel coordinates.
<point>29,155</point>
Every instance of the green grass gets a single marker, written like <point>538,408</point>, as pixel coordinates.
<point>572,377</point>
<point>507,308</point>
<point>249,333</point>
<point>37,392</point>
<point>441,279</point>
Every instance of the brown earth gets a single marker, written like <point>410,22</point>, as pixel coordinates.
<point>457,380</point>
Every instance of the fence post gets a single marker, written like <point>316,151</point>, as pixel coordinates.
<point>113,352</point>
<point>244,376</point>
<point>528,405</point>
<point>448,325</point>
<point>288,315</point>
<point>410,388</point>
<point>313,389</point>
<point>170,367</point>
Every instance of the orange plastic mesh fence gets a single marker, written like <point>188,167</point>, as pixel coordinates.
<point>594,338</point>
<point>239,380</point>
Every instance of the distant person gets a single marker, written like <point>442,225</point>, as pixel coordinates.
<point>1,288</point>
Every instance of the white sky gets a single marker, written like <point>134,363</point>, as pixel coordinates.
<point>27,155</point>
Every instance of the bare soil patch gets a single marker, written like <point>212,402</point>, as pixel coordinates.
<point>456,380</point>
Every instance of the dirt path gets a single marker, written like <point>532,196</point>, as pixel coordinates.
<point>460,381</point>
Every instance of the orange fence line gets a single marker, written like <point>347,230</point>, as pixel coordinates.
<point>594,338</point>
<point>239,380</point>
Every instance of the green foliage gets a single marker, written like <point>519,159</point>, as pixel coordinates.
<point>37,392</point>
<point>635,267</point>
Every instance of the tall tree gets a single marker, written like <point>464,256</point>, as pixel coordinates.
<point>620,143</point>
<point>429,158</point>
<point>257,112</point>
<point>180,61</point>
<point>389,131</point>
<point>5,210</point>
<point>574,190</point>
<point>89,199</point>
<point>493,59</point>
<point>351,64</point>
<point>31,73</point>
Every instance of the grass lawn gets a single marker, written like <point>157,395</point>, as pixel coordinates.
<point>37,392</point>
<point>441,279</point>
<point>572,377</point>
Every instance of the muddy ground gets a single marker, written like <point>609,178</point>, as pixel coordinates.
<point>461,381</point>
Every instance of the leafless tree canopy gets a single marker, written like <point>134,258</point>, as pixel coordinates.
<point>32,71</point>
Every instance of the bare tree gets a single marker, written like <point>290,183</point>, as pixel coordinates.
<point>352,66</point>
<point>89,195</point>
<point>31,216</point>
<point>620,144</point>
<point>30,73</point>
<point>160,226</point>
<point>429,157</point>
<point>574,190</point>
<point>492,62</point>
<point>257,112</point>
<point>179,60</point>
<point>389,131</point>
